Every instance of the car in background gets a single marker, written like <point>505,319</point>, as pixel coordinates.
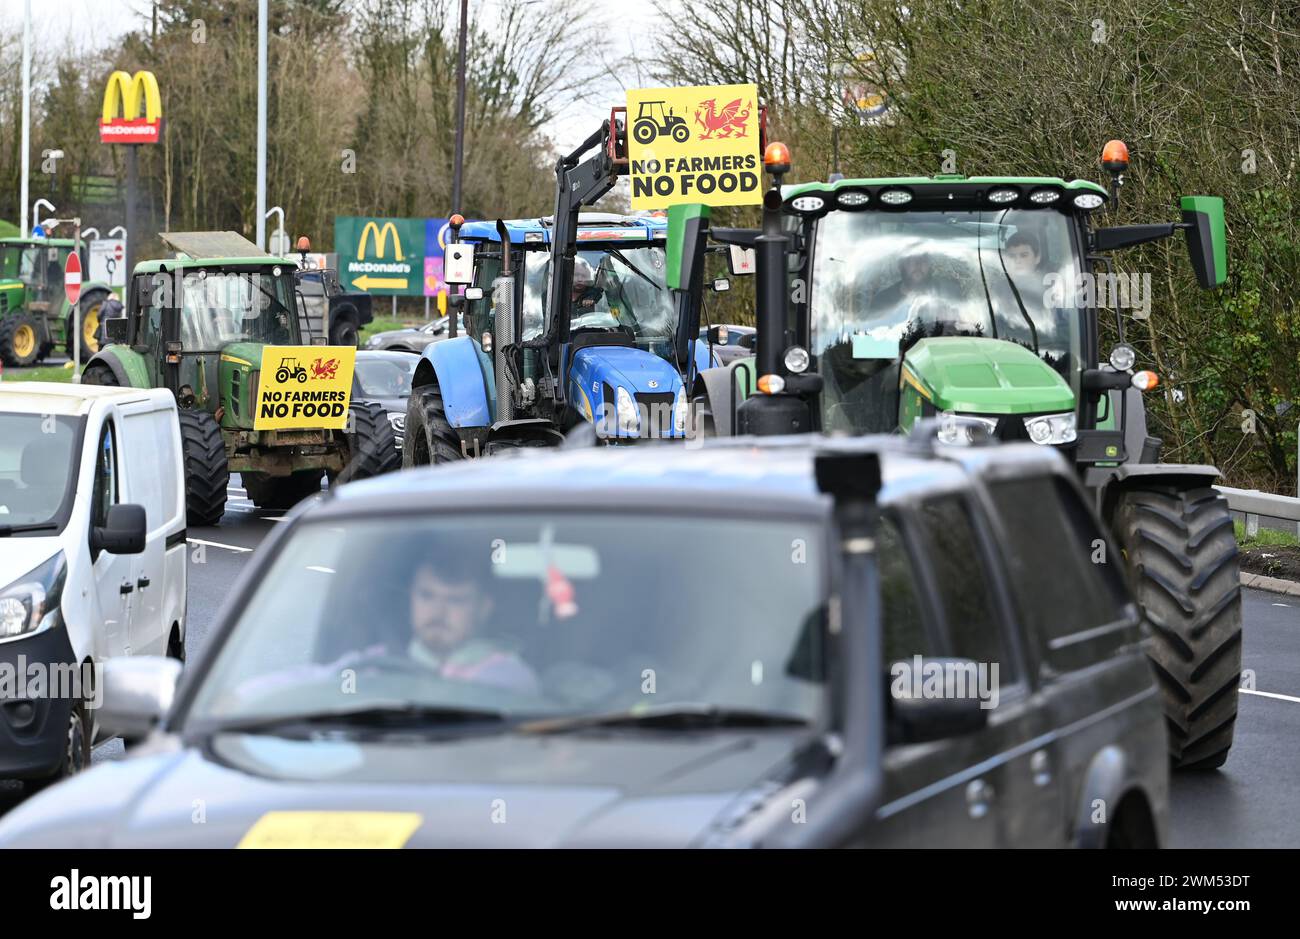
<point>420,656</point>
<point>410,338</point>
<point>384,378</point>
<point>729,342</point>
<point>92,560</point>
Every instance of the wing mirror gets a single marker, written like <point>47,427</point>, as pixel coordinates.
<point>138,693</point>
<point>116,330</point>
<point>123,532</point>
<point>962,707</point>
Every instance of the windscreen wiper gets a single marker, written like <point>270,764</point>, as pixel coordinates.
<point>396,714</point>
<point>686,716</point>
<point>632,267</point>
<point>6,530</point>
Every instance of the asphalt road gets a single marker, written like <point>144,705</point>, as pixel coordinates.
<point>1252,802</point>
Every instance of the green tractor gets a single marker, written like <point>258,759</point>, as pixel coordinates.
<point>197,325</point>
<point>35,316</point>
<point>975,302</point>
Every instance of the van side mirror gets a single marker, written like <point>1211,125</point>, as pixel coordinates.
<point>1207,243</point>
<point>117,330</point>
<point>123,532</point>
<point>916,718</point>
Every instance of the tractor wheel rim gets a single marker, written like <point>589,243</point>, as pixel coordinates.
<point>89,327</point>
<point>24,341</point>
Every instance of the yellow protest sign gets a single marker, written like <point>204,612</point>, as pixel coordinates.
<point>304,387</point>
<point>332,830</point>
<point>694,144</point>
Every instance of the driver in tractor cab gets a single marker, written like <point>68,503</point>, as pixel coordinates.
<point>585,293</point>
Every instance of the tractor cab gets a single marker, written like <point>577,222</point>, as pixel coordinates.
<point>35,317</point>
<point>199,325</point>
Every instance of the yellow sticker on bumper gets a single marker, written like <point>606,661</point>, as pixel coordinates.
<point>332,830</point>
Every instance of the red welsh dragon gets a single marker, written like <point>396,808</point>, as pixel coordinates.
<point>729,122</point>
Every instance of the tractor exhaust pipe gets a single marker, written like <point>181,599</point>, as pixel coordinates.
<point>503,329</point>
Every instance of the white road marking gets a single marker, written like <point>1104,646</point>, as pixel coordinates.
<point>1270,694</point>
<point>217,544</point>
<point>1282,604</point>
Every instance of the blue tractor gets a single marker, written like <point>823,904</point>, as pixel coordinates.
<point>569,318</point>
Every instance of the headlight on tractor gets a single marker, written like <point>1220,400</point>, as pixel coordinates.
<point>1052,428</point>
<point>628,422</point>
<point>679,411</point>
<point>31,603</point>
<point>966,429</point>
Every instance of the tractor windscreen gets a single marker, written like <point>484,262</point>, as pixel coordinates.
<point>221,307</point>
<point>18,262</point>
<point>621,287</point>
<point>882,281</point>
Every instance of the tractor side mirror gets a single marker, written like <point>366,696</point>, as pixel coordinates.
<point>116,330</point>
<point>719,335</point>
<point>1207,243</point>
<point>458,263</point>
<point>748,340</point>
<point>741,260</point>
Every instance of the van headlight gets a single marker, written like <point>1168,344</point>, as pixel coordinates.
<point>1052,428</point>
<point>31,603</point>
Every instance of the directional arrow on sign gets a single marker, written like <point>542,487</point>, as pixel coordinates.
<point>72,278</point>
<point>366,282</point>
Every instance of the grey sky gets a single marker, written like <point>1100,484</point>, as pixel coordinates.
<point>91,23</point>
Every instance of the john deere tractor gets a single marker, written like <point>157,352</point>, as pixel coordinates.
<point>977,301</point>
<point>197,325</point>
<point>35,316</point>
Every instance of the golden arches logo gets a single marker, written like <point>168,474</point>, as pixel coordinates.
<point>380,236</point>
<point>129,92</point>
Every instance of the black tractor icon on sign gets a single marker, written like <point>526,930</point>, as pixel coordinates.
<point>651,123</point>
<point>289,368</point>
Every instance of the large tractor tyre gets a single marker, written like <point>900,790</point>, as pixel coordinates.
<point>20,340</point>
<point>344,332</point>
<point>97,373</point>
<point>430,438</point>
<point>91,304</point>
<point>206,472</point>
<point>1182,552</point>
<point>372,443</point>
<point>281,492</point>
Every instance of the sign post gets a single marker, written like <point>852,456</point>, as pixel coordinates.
<point>131,92</point>
<point>72,290</point>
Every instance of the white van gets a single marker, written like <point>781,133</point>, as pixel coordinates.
<point>92,559</point>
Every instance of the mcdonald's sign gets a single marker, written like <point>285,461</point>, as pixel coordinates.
<point>383,256</point>
<point>380,235</point>
<point>121,120</point>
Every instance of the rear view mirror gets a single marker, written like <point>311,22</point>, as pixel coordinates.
<point>123,532</point>
<point>719,335</point>
<point>1207,243</point>
<point>741,260</point>
<point>537,561</point>
<point>458,264</point>
<point>748,340</point>
<point>115,329</point>
<point>138,693</point>
<point>921,718</point>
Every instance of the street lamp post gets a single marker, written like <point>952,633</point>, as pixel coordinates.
<point>24,231</point>
<point>458,167</point>
<point>261,123</point>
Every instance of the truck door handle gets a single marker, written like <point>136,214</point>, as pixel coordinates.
<point>978,796</point>
<point>125,588</point>
<point>142,582</point>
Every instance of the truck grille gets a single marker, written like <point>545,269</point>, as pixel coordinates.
<point>656,414</point>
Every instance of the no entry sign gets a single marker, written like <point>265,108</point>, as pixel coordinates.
<point>72,278</point>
